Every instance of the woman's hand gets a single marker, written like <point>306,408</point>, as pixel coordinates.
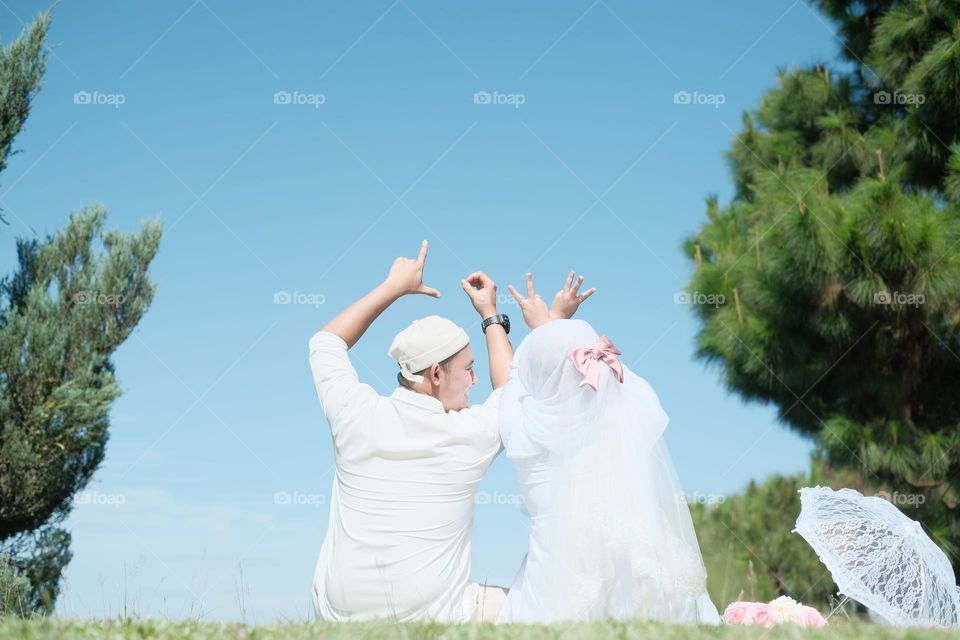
<point>568,299</point>
<point>406,275</point>
<point>535,311</point>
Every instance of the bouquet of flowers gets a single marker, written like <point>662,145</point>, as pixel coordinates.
<point>783,609</point>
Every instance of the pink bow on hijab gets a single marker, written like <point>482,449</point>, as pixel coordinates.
<point>587,361</point>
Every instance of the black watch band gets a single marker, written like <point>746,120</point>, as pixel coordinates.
<point>500,318</point>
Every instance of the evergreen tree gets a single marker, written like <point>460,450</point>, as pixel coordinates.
<point>22,65</point>
<point>74,299</point>
<point>837,262</point>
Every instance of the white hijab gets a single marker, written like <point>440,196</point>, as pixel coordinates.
<point>545,406</point>
<point>610,520</point>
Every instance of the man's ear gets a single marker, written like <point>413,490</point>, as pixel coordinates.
<point>435,374</point>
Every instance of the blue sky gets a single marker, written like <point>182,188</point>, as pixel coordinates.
<point>212,499</point>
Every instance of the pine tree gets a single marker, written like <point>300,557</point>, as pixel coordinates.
<point>75,297</point>
<point>22,65</point>
<point>836,264</point>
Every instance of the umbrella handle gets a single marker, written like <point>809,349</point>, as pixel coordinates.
<point>835,609</point>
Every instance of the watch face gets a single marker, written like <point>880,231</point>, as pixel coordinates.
<point>506,323</point>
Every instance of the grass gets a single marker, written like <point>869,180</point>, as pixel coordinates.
<point>14,629</point>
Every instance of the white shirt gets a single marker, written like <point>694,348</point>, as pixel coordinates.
<point>401,508</point>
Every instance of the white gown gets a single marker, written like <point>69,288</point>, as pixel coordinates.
<point>610,531</point>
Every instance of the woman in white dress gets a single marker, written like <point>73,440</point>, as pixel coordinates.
<point>610,531</point>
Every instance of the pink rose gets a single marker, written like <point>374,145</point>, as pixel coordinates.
<point>812,618</point>
<point>735,612</point>
<point>764,615</point>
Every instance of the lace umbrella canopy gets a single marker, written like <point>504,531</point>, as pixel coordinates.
<point>880,557</point>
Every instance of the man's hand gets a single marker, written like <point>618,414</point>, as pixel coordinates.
<point>406,275</point>
<point>535,312</point>
<point>482,292</point>
<point>568,299</point>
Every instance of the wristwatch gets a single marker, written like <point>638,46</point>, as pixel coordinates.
<point>501,318</point>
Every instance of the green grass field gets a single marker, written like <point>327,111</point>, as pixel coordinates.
<point>140,629</point>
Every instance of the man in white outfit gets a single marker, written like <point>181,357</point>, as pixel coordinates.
<point>407,465</point>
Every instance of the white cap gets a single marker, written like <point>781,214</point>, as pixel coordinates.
<point>425,342</point>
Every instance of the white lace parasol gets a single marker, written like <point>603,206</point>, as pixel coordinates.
<point>880,557</point>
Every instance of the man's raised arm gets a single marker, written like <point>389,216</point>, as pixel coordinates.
<point>406,276</point>
<point>483,294</point>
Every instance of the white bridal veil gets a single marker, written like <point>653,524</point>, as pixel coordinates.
<point>611,533</point>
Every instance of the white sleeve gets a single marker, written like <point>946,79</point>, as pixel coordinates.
<point>339,389</point>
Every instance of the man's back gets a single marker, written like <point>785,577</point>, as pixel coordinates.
<point>402,502</point>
